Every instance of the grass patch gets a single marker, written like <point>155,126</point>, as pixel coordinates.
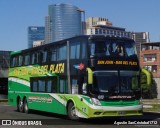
<point>151,100</point>
<point>155,108</point>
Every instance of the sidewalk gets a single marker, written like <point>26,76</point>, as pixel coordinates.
<point>151,105</point>
<point>3,98</point>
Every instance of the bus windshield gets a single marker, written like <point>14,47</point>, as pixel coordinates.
<point>123,48</point>
<point>112,84</point>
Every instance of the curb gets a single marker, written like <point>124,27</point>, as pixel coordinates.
<point>3,100</point>
<point>151,112</point>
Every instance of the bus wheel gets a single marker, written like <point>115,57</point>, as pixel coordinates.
<point>20,105</point>
<point>25,106</point>
<point>72,112</point>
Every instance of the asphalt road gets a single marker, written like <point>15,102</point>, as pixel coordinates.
<point>9,116</point>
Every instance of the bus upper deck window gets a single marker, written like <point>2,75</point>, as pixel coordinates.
<point>44,56</point>
<point>20,61</point>
<point>27,59</point>
<point>14,62</point>
<point>130,49</point>
<point>92,48</point>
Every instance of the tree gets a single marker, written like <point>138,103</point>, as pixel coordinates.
<point>146,83</point>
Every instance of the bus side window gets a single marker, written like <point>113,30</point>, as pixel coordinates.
<point>74,86</point>
<point>41,85</point>
<point>44,56</point>
<point>35,86</point>
<point>33,58</point>
<point>53,54</point>
<point>14,61</point>
<point>62,86</point>
<point>75,50</point>
<point>83,55</point>
<point>20,60</point>
<point>27,59</point>
<point>62,52</point>
<point>49,86</point>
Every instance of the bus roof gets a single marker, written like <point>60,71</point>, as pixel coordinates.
<point>15,52</point>
<point>72,38</point>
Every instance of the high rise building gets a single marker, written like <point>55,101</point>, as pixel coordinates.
<point>139,38</point>
<point>35,33</point>
<point>48,30</point>
<point>64,21</point>
<point>109,31</point>
<point>102,26</point>
<point>92,21</point>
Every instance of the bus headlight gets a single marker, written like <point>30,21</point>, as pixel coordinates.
<point>95,101</point>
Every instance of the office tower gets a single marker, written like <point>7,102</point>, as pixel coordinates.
<point>91,21</point>
<point>139,38</point>
<point>64,21</point>
<point>48,30</point>
<point>35,33</point>
<point>102,26</point>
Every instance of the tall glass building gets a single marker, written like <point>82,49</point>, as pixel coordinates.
<point>64,21</point>
<point>35,33</point>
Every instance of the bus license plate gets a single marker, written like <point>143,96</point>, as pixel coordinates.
<point>121,113</point>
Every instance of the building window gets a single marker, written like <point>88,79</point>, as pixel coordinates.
<point>155,47</point>
<point>104,31</point>
<point>96,31</point>
<point>151,68</point>
<point>100,31</point>
<point>150,58</point>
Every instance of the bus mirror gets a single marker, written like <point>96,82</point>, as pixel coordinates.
<point>148,76</point>
<point>90,76</point>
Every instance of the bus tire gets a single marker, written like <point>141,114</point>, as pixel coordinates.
<point>72,112</point>
<point>20,105</point>
<point>25,106</point>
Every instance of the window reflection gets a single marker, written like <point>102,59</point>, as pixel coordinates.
<point>112,48</point>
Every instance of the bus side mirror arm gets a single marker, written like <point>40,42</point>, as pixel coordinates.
<point>90,76</point>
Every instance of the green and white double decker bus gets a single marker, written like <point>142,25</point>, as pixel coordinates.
<point>82,77</point>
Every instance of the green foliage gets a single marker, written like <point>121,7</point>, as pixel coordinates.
<point>146,87</point>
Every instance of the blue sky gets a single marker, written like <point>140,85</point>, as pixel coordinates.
<point>134,15</point>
